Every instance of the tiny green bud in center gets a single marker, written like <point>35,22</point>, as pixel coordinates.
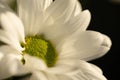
<point>41,48</point>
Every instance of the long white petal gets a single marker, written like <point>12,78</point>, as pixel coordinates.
<point>59,31</point>
<point>1,55</point>
<point>87,72</point>
<point>64,77</point>
<point>34,63</point>
<point>61,69</point>
<point>5,49</point>
<point>61,9</point>
<point>11,40</point>
<point>87,45</point>
<point>11,23</point>
<point>51,76</point>
<point>3,4</point>
<point>46,3</point>
<point>32,14</point>
<point>11,65</point>
<point>77,10</point>
<point>10,3</point>
<point>97,68</point>
<point>63,66</point>
<point>79,22</point>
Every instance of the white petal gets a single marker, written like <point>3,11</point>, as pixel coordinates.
<point>51,76</point>
<point>78,9</point>
<point>11,23</point>
<point>11,3</point>
<point>34,63</point>
<point>32,14</point>
<point>61,69</point>
<point>5,37</point>
<point>70,62</point>
<point>79,22</point>
<point>59,31</point>
<point>3,5</point>
<point>61,9</point>
<point>63,66</point>
<point>64,77</point>
<point>5,49</point>
<point>11,65</point>
<point>11,40</point>
<point>1,55</point>
<point>90,71</point>
<point>87,72</point>
<point>38,76</point>
<point>46,3</point>
<point>42,4</point>
<point>97,68</point>
<point>58,77</point>
<point>86,45</point>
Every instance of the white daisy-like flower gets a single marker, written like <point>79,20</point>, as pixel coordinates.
<point>49,39</point>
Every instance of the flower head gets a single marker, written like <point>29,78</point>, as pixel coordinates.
<point>49,39</point>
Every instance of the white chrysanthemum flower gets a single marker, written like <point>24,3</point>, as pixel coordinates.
<point>49,39</point>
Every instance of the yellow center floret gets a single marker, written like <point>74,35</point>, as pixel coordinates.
<point>41,48</point>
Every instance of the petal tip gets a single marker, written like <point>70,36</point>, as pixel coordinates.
<point>106,44</point>
<point>107,41</point>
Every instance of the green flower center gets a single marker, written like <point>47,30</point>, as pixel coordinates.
<point>39,47</point>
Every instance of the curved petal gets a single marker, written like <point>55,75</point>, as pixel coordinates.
<point>48,76</point>
<point>60,69</point>
<point>1,55</point>
<point>61,9</point>
<point>3,5</point>
<point>80,22</point>
<point>46,3</point>
<point>63,66</point>
<point>77,9</point>
<point>10,3</point>
<point>38,76</point>
<point>59,31</point>
<point>11,23</point>
<point>11,65</point>
<point>11,40</point>
<point>51,76</point>
<point>87,45</point>
<point>32,14</point>
<point>64,77</point>
<point>5,49</point>
<point>58,77</point>
<point>34,63</point>
<point>87,72</point>
<point>97,68</point>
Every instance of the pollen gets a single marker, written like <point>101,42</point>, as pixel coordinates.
<point>39,47</point>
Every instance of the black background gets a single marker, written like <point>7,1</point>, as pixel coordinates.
<point>106,19</point>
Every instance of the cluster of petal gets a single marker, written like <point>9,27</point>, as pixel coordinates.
<point>63,23</point>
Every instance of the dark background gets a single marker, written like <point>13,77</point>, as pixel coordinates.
<point>106,19</point>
